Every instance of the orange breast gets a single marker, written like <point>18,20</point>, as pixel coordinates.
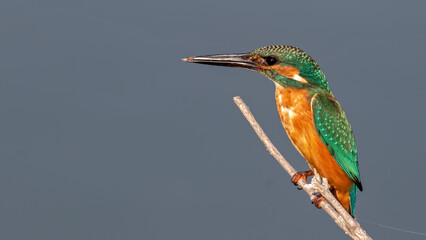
<point>294,108</point>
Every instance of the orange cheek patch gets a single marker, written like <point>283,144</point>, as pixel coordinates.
<point>286,71</point>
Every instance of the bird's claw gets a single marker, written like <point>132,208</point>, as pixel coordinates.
<point>318,199</point>
<point>301,175</point>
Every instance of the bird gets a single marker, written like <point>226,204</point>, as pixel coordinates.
<point>314,121</point>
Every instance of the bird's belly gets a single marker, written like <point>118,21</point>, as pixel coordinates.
<point>294,109</point>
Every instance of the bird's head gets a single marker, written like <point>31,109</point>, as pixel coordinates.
<point>286,65</point>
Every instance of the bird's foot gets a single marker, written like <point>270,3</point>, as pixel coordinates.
<point>318,199</point>
<point>301,175</point>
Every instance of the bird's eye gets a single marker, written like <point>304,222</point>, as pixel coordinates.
<point>271,60</point>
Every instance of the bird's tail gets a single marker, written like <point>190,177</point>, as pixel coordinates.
<point>352,196</point>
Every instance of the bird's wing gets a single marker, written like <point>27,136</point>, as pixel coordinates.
<point>335,132</point>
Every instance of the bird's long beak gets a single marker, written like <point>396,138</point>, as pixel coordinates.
<point>229,60</point>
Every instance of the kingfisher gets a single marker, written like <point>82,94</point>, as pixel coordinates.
<point>313,119</point>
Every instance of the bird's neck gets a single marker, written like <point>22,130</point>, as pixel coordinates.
<point>288,97</point>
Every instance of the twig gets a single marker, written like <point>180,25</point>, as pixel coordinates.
<point>318,185</point>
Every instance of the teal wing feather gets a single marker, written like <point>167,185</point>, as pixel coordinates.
<point>335,132</point>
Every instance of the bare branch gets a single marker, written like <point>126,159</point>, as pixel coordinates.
<point>318,185</point>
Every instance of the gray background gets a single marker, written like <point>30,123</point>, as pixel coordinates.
<point>106,134</point>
